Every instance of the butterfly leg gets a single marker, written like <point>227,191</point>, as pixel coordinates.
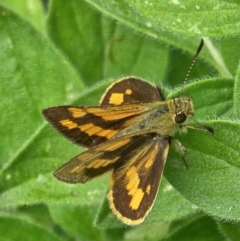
<point>180,149</point>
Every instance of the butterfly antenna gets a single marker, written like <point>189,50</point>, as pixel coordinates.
<point>193,62</point>
<point>203,127</point>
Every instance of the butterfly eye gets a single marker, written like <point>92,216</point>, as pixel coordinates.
<point>180,118</point>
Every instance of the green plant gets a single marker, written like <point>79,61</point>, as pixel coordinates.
<point>71,59</point>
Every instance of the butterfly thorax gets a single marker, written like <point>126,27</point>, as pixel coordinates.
<point>161,117</point>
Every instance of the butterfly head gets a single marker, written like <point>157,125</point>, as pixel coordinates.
<point>183,109</point>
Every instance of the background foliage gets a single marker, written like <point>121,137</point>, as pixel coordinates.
<point>68,52</point>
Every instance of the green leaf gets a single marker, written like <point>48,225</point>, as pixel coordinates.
<point>45,189</point>
<point>37,213</point>
<point>191,17</point>
<point>76,221</point>
<point>131,17</point>
<point>228,47</point>
<point>15,228</point>
<point>147,232</point>
<point>31,10</point>
<point>28,78</point>
<point>230,230</point>
<point>212,180</point>
<point>198,228</point>
<point>115,51</point>
<point>236,96</point>
<point>191,228</point>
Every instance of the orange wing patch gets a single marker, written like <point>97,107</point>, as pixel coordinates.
<point>68,123</point>
<point>133,183</point>
<point>77,112</point>
<point>90,129</point>
<point>102,163</point>
<point>116,99</point>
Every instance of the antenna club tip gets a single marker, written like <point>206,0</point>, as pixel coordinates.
<point>199,48</point>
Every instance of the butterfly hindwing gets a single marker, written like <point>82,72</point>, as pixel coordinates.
<point>100,159</point>
<point>135,182</point>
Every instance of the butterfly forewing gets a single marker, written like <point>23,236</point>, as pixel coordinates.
<point>91,126</point>
<point>135,181</point>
